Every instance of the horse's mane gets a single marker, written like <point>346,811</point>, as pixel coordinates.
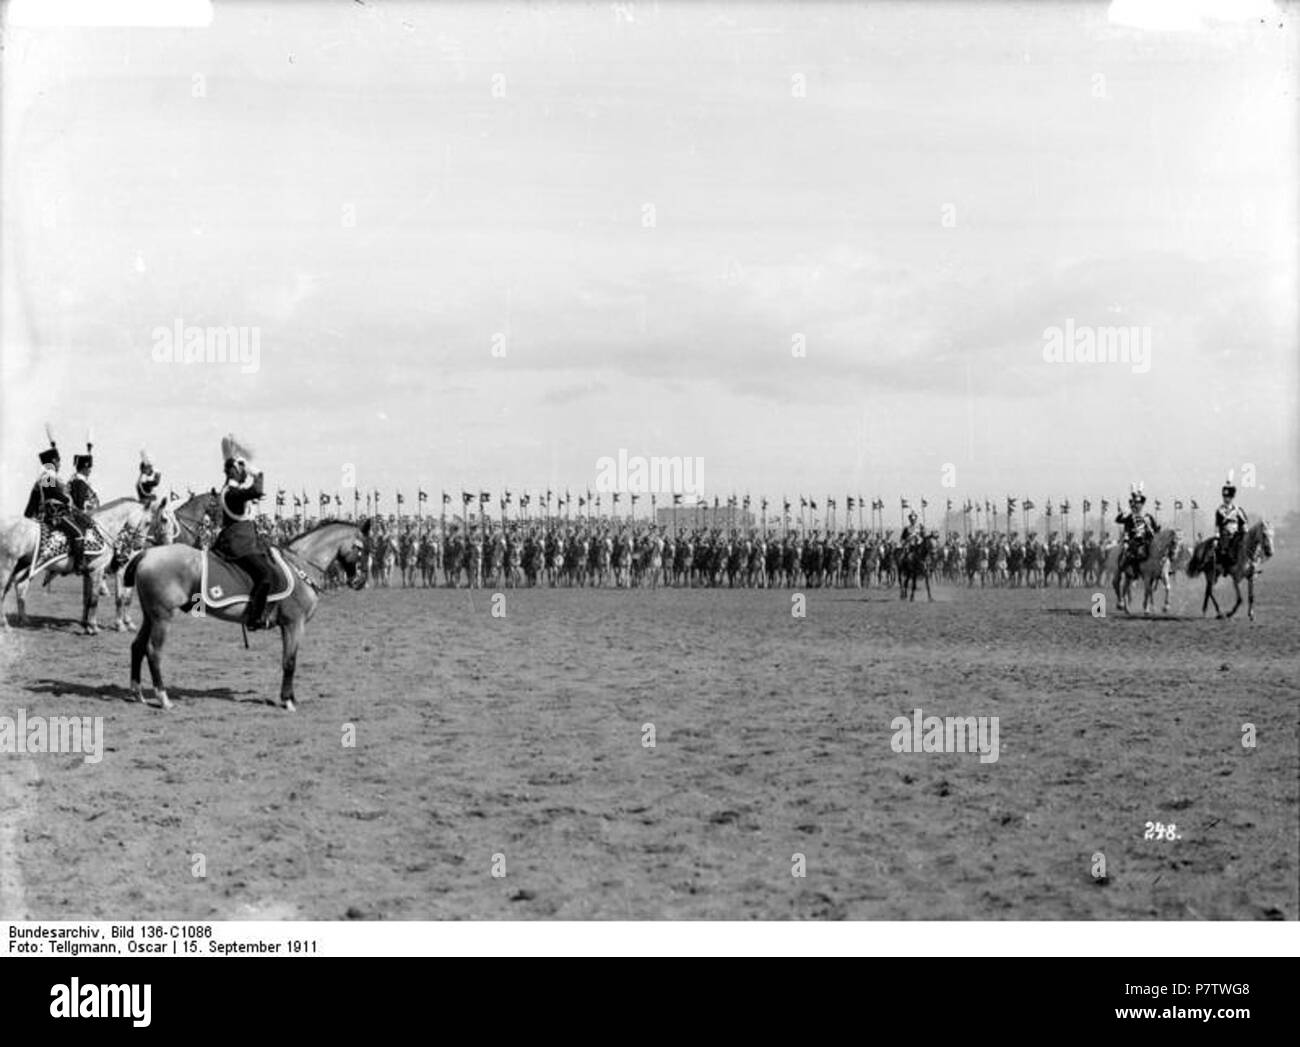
<point>320,526</point>
<point>1255,533</point>
<point>207,497</point>
<point>105,506</point>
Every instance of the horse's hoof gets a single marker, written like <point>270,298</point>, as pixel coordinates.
<point>163,699</point>
<point>289,706</point>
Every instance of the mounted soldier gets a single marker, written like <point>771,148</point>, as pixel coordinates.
<point>1139,528</point>
<point>1229,528</point>
<point>239,541</point>
<point>50,503</point>
<point>912,533</point>
<point>84,497</point>
<point>148,480</point>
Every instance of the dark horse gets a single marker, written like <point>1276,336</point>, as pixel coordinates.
<point>170,577</point>
<point>1256,546</point>
<point>916,561</point>
<point>192,517</point>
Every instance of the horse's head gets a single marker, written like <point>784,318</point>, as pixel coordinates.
<point>1263,532</point>
<point>163,528</point>
<point>336,543</point>
<point>186,519</point>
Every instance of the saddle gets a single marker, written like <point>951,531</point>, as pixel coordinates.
<point>225,584</point>
<point>53,544</point>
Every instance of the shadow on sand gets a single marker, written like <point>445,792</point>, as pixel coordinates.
<point>1118,616</point>
<point>36,622</point>
<point>115,692</point>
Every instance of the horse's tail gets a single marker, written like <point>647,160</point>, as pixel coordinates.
<point>128,577</point>
<point>1198,562</point>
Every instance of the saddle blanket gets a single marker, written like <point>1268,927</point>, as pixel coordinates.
<point>53,545</point>
<point>225,584</point>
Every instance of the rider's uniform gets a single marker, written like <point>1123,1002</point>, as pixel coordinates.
<point>51,503</point>
<point>240,542</point>
<point>147,484</point>
<point>1230,527</point>
<point>49,495</point>
<point>1139,528</point>
<point>84,496</point>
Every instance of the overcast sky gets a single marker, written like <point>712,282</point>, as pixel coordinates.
<point>650,203</point>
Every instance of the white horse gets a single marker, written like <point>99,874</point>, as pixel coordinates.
<point>116,522</point>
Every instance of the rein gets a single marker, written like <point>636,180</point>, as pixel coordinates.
<point>298,561</point>
<point>301,557</point>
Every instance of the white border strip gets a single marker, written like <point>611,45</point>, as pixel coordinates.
<point>413,939</point>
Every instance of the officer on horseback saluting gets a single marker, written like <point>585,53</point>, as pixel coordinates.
<point>1229,528</point>
<point>1139,528</point>
<point>239,541</point>
<point>51,503</point>
<point>147,482</point>
<point>912,534</point>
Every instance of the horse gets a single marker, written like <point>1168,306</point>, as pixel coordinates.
<point>385,555</point>
<point>514,563</point>
<point>19,552</point>
<point>169,578</point>
<point>914,561</point>
<point>1153,570</point>
<point>1032,565</point>
<point>494,553</point>
<point>196,520</point>
<point>406,554</point>
<point>1074,572</point>
<point>683,558</point>
<point>1255,547</point>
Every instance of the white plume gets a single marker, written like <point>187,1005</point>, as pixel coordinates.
<point>231,447</point>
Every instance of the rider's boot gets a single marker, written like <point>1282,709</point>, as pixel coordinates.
<point>254,616</point>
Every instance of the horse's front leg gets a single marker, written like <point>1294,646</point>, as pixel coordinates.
<point>90,582</point>
<point>122,603</point>
<point>291,634</point>
<point>9,581</point>
<point>20,595</point>
<point>1236,586</point>
<point>1209,596</point>
<point>154,639</point>
<point>1250,597</point>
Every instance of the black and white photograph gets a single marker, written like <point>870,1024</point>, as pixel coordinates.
<point>646,462</point>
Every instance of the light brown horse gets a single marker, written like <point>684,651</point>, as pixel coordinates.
<point>170,578</point>
<point>1154,570</point>
<point>1256,547</point>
